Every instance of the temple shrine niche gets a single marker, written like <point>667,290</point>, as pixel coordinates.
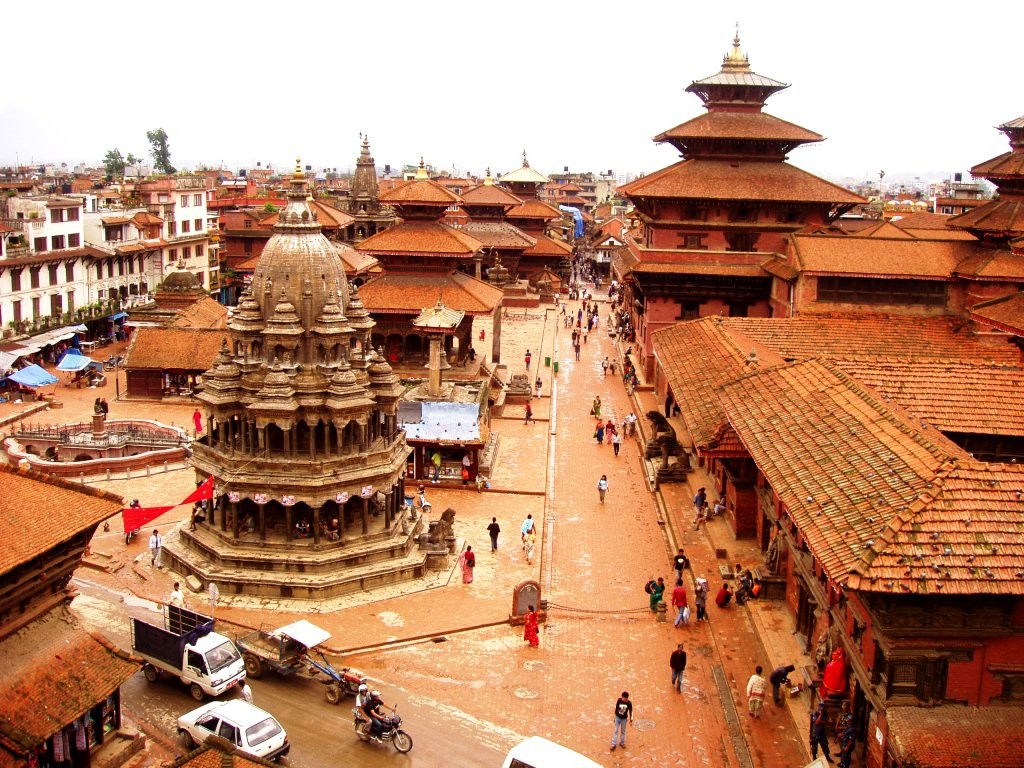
<point>302,437</point>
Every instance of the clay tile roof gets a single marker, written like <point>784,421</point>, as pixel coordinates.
<point>499,234</point>
<point>205,314</point>
<point>951,395</point>
<point>699,356</point>
<point>54,672</point>
<point>489,194</point>
<point>879,257</point>
<point>534,209</point>
<point>396,293</point>
<point>1006,165</point>
<point>986,264</point>
<point>924,220</point>
<point>356,263</point>
<point>1002,215</point>
<point>422,191</point>
<point>213,756</point>
<point>1005,313</point>
<point>525,175</point>
<point>326,215</point>
<point>854,335</point>
<point>548,246</point>
<point>419,237</point>
<point>951,735</point>
<point>80,508</point>
<point>739,180</point>
<point>173,349</point>
<point>739,125</point>
<point>144,218</point>
<point>843,463</point>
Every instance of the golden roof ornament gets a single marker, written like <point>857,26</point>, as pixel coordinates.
<point>421,172</point>
<point>736,60</point>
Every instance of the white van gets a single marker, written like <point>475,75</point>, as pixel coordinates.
<point>536,752</point>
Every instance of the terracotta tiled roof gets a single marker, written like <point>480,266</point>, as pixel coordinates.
<point>1006,165</point>
<point>499,234</point>
<point>699,356</point>
<point>950,735</point>
<point>1005,313</point>
<point>548,246</point>
<point>65,255</point>
<point>843,462</point>
<point>144,219</point>
<point>212,756</point>
<point>204,314</point>
<point>950,395</point>
<point>411,293</point>
<point>356,263</point>
<point>987,264</point>
<point>421,237</point>
<point>54,672</point>
<point>328,216</point>
<point>420,191</point>
<point>172,349</point>
<point>525,175</point>
<point>739,125</point>
<point>739,180</point>
<point>489,194</point>
<point>1002,215</point>
<point>840,335</point>
<point>534,209</point>
<point>923,220</point>
<point>878,257</point>
<point>779,267</point>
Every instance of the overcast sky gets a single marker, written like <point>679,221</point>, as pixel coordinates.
<point>909,88</point>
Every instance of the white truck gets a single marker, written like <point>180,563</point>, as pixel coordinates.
<point>186,647</point>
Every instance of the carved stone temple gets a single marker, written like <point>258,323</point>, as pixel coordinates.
<point>302,438</point>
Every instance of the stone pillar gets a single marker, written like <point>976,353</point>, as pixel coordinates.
<point>316,524</point>
<point>263,521</point>
<point>288,523</point>
<point>366,516</point>
<point>434,382</point>
<point>496,336</point>
<point>99,426</point>
<point>235,526</point>
<point>389,513</point>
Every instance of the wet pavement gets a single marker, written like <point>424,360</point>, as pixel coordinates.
<point>448,645</point>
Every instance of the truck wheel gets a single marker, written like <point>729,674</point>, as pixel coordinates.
<point>253,666</point>
<point>186,740</point>
<point>333,694</point>
<point>197,692</point>
<point>151,672</point>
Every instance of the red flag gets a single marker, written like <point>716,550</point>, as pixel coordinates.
<point>136,517</point>
<point>204,491</point>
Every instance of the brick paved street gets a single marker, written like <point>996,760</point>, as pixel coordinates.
<point>600,637</point>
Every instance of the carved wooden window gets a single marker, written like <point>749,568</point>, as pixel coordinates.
<point>1013,689</point>
<point>742,241</point>
<point>871,290</point>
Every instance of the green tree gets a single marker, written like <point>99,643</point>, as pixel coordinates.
<point>160,150</point>
<point>114,163</point>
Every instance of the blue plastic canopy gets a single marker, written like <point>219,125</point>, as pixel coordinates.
<point>577,217</point>
<point>33,376</point>
<point>73,361</point>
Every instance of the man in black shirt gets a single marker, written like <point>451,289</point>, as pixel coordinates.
<point>623,712</point>
<point>493,530</point>
<point>679,562</point>
<point>677,661</point>
<point>776,679</point>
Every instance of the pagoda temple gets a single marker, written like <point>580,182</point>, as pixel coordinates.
<point>302,436</point>
<point>706,225</point>
<point>533,217</point>
<point>487,205</point>
<point>425,260</point>
<point>370,217</point>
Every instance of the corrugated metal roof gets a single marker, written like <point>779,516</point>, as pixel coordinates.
<point>440,422</point>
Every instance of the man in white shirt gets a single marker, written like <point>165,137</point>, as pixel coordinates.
<point>177,598</point>
<point>156,544</point>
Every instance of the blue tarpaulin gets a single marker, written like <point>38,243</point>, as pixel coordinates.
<point>73,361</point>
<point>576,217</point>
<point>33,376</point>
<point>117,316</point>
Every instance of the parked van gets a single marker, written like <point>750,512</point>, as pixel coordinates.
<point>537,752</point>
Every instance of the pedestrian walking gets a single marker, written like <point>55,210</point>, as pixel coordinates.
<point>467,467</point>
<point>778,678</point>
<point>493,530</point>
<point>156,546</point>
<point>604,365</point>
<point>700,598</point>
<point>538,384</point>
<point>435,460</point>
<point>679,562</point>
<point>756,687</point>
<point>623,714</point>
<point>677,661</point>
<point>819,729</point>
<point>679,603</point>
<point>177,598</point>
<point>528,414</point>
<point>530,627</point>
<point>528,546</point>
<point>527,359</point>
<point>467,562</point>
<point>656,591</point>
<point>700,499</point>
<point>197,420</point>
<point>616,441</point>
<point>577,348</point>
<point>246,692</point>
<point>527,527</point>
<point>599,432</point>
<point>595,409</point>
<point>602,487</point>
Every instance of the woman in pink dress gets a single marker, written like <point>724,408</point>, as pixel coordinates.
<point>467,561</point>
<point>530,632</point>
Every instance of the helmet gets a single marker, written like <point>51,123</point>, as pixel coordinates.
<point>363,688</point>
<point>375,694</point>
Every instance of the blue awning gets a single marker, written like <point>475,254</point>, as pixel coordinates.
<point>117,316</point>
<point>33,376</point>
<point>73,361</point>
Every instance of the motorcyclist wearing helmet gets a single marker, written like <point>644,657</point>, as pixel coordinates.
<point>361,698</point>
<point>372,708</point>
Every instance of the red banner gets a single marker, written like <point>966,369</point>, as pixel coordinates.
<point>204,491</point>
<point>136,517</point>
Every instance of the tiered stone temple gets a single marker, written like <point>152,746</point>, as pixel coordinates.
<point>302,437</point>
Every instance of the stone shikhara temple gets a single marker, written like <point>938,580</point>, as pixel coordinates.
<point>302,438</point>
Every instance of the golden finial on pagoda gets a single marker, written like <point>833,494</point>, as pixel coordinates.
<point>488,181</point>
<point>736,59</point>
<point>421,172</point>
<point>526,163</point>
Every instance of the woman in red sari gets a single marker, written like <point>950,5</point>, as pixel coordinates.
<point>530,633</point>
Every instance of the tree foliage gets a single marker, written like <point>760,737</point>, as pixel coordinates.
<point>160,150</point>
<point>114,163</point>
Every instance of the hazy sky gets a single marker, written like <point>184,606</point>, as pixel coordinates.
<point>908,87</point>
